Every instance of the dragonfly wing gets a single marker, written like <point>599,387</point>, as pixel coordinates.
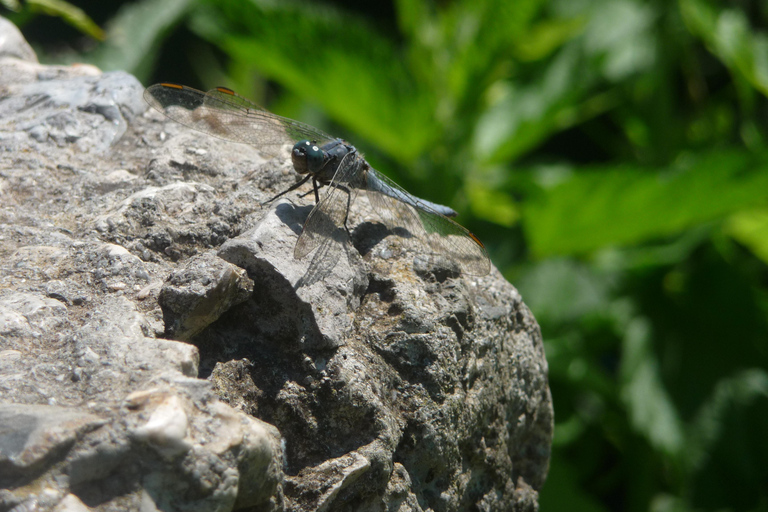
<point>222,113</point>
<point>438,234</point>
<point>323,262</point>
<point>325,223</point>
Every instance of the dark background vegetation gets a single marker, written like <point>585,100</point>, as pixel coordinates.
<point>612,155</point>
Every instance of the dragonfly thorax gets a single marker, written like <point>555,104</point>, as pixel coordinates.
<point>307,157</point>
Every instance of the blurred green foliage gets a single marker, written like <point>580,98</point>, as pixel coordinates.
<point>612,155</point>
<point>67,12</point>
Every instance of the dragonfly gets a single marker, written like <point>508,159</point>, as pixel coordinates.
<point>326,161</point>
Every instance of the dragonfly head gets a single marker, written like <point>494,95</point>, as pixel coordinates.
<point>307,157</point>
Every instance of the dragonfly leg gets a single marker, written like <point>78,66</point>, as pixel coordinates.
<point>316,187</point>
<point>346,211</point>
<point>305,194</point>
<point>292,187</point>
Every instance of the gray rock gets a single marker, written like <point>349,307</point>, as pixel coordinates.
<point>39,433</point>
<point>13,43</point>
<point>197,294</point>
<point>160,348</point>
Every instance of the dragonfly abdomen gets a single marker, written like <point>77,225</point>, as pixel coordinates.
<point>377,185</point>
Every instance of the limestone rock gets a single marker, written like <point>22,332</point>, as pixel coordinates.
<point>160,348</point>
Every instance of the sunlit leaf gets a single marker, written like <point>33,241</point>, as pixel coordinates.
<point>335,59</point>
<point>617,42</point>
<point>13,5</point>
<point>619,206</point>
<point>560,290</point>
<point>134,32</point>
<point>728,447</point>
<point>751,229</point>
<point>650,407</point>
<point>544,38</point>
<point>69,13</point>
<point>524,116</point>
<point>620,37</point>
<point>665,502</point>
<point>733,392</point>
<point>493,205</point>
<point>729,35</point>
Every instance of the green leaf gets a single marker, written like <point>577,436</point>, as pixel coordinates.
<point>617,42</point>
<point>750,228</point>
<point>620,38</point>
<point>69,13</point>
<point>467,42</point>
<point>358,76</point>
<point>134,32</point>
<point>523,116</point>
<point>545,37</point>
<point>728,34</point>
<point>559,290</point>
<point>13,5</point>
<point>493,205</point>
<point>730,393</point>
<point>665,502</point>
<point>593,209</point>
<point>650,408</point>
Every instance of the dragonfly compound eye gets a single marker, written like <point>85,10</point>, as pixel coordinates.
<point>307,157</point>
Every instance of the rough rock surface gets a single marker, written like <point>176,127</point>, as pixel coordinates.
<point>160,351</point>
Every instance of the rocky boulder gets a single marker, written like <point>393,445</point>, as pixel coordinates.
<point>160,348</point>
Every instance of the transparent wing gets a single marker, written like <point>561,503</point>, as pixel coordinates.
<point>440,235</point>
<point>325,223</point>
<point>223,113</point>
<point>323,262</point>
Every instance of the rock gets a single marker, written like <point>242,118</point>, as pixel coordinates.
<point>161,349</point>
<point>13,43</point>
<point>196,295</point>
<point>314,315</point>
<point>28,314</point>
<point>41,433</point>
